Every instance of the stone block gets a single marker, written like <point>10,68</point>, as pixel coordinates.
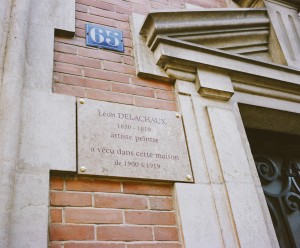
<point>199,219</point>
<point>214,84</point>
<point>233,160</point>
<point>49,132</point>
<point>29,221</point>
<point>248,217</point>
<point>196,152</point>
<point>144,59</point>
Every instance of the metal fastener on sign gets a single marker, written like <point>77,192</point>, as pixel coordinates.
<point>82,168</point>
<point>81,101</point>
<point>178,115</point>
<point>189,177</point>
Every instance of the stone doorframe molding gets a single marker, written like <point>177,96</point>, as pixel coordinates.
<point>218,59</point>
<point>37,128</point>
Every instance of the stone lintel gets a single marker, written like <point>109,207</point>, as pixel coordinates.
<point>213,84</point>
<point>266,74</point>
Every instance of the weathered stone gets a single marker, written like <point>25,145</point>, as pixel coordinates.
<point>129,141</point>
<point>210,83</point>
<point>198,216</point>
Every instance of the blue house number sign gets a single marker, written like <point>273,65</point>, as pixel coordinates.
<point>104,37</point>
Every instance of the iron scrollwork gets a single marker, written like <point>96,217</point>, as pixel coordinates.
<point>280,181</point>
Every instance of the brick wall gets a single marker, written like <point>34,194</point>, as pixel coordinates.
<point>90,213</point>
<point>110,76</point>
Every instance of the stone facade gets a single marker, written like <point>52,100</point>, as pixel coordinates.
<point>223,69</point>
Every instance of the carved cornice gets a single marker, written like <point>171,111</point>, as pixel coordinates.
<point>230,42</point>
<point>241,31</point>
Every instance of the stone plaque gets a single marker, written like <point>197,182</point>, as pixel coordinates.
<point>128,141</point>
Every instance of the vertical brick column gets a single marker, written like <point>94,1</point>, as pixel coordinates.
<point>88,213</point>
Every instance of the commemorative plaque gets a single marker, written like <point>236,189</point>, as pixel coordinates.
<point>133,142</point>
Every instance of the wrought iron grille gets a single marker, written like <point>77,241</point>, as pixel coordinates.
<point>277,159</point>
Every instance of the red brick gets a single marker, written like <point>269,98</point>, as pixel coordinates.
<point>128,60</point>
<point>117,67</point>
<point>99,54</point>
<point>70,199</point>
<point>97,4</point>
<point>155,103</point>
<point>123,25</point>
<point>56,215</point>
<point>56,245</point>
<point>127,42</point>
<point>86,82</point>
<point>166,95</point>
<point>126,34</point>
<point>141,9</point>
<point>72,41</point>
<point>67,68</point>
<point>178,4</point>
<point>95,19</point>
<point>145,3</point>
<point>69,90</point>
<point>91,185</point>
<point>58,77</point>
<point>155,5</point>
<point>81,8</point>
<point>77,60</point>
<point>79,32</point>
<point>161,203</point>
<point>94,245</point>
<point>165,2</point>
<point>93,216</point>
<point>120,201</point>
<point>109,14</point>
<point>165,233</point>
<point>80,24</point>
<point>65,48</point>
<point>124,233</point>
<point>56,183</point>
<point>123,10</point>
<point>109,96</point>
<point>152,83</point>
<point>150,218</point>
<point>71,232</point>
<point>119,3</point>
<point>154,245</point>
<point>147,189</point>
<point>132,89</point>
<point>106,75</point>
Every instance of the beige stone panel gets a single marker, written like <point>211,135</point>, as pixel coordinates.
<point>248,216</point>
<point>144,59</point>
<point>11,84</point>
<point>267,217</point>
<point>166,51</point>
<point>39,65</point>
<point>198,217</point>
<point>206,136</point>
<point>29,221</point>
<point>266,102</point>
<point>59,14</point>
<point>213,84</point>
<point>225,217</point>
<point>48,137</point>
<point>6,187</point>
<point>286,24</point>
<point>5,8</point>
<point>193,140</point>
<point>185,88</point>
<point>246,145</point>
<point>230,150</point>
